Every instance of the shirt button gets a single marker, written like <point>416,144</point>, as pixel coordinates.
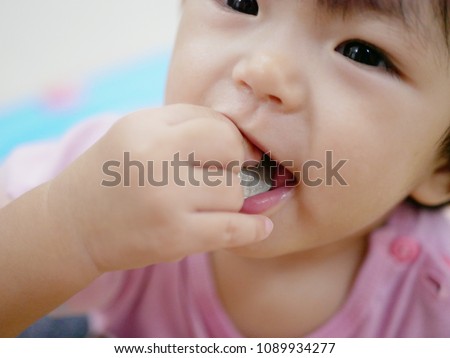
<point>405,249</point>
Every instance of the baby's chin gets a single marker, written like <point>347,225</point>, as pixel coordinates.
<point>275,246</point>
<point>253,251</point>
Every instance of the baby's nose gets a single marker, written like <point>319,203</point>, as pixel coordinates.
<point>271,78</point>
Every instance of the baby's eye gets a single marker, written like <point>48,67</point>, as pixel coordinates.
<point>365,54</point>
<point>249,7</point>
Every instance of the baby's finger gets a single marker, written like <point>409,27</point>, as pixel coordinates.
<point>176,114</point>
<point>212,190</point>
<point>211,141</point>
<point>226,230</point>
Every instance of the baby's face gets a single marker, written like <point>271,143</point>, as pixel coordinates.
<point>300,80</point>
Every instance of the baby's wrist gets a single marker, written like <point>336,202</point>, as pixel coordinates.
<point>64,233</point>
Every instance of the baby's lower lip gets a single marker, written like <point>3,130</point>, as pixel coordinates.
<point>283,183</point>
<point>261,203</point>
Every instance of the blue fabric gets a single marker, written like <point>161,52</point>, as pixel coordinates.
<point>70,327</point>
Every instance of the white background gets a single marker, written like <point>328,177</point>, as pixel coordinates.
<point>44,43</point>
<point>345,348</point>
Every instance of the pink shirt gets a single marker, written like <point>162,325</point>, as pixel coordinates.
<point>402,289</point>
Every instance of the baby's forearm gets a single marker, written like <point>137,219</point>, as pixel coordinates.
<point>57,238</point>
<point>41,266</point>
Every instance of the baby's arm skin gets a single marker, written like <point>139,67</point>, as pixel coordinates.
<point>59,237</point>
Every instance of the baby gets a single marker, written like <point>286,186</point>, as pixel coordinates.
<point>347,100</point>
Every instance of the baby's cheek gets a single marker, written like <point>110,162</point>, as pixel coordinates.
<point>178,82</point>
<point>342,210</point>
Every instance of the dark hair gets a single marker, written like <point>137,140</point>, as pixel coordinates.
<point>442,9</point>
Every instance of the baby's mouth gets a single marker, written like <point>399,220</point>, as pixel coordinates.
<point>265,176</point>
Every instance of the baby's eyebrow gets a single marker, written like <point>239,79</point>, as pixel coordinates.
<point>396,9</point>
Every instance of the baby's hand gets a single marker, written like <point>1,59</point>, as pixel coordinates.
<point>131,225</point>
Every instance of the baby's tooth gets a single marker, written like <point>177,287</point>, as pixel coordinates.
<point>255,180</point>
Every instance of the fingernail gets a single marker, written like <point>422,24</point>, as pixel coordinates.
<point>268,227</point>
